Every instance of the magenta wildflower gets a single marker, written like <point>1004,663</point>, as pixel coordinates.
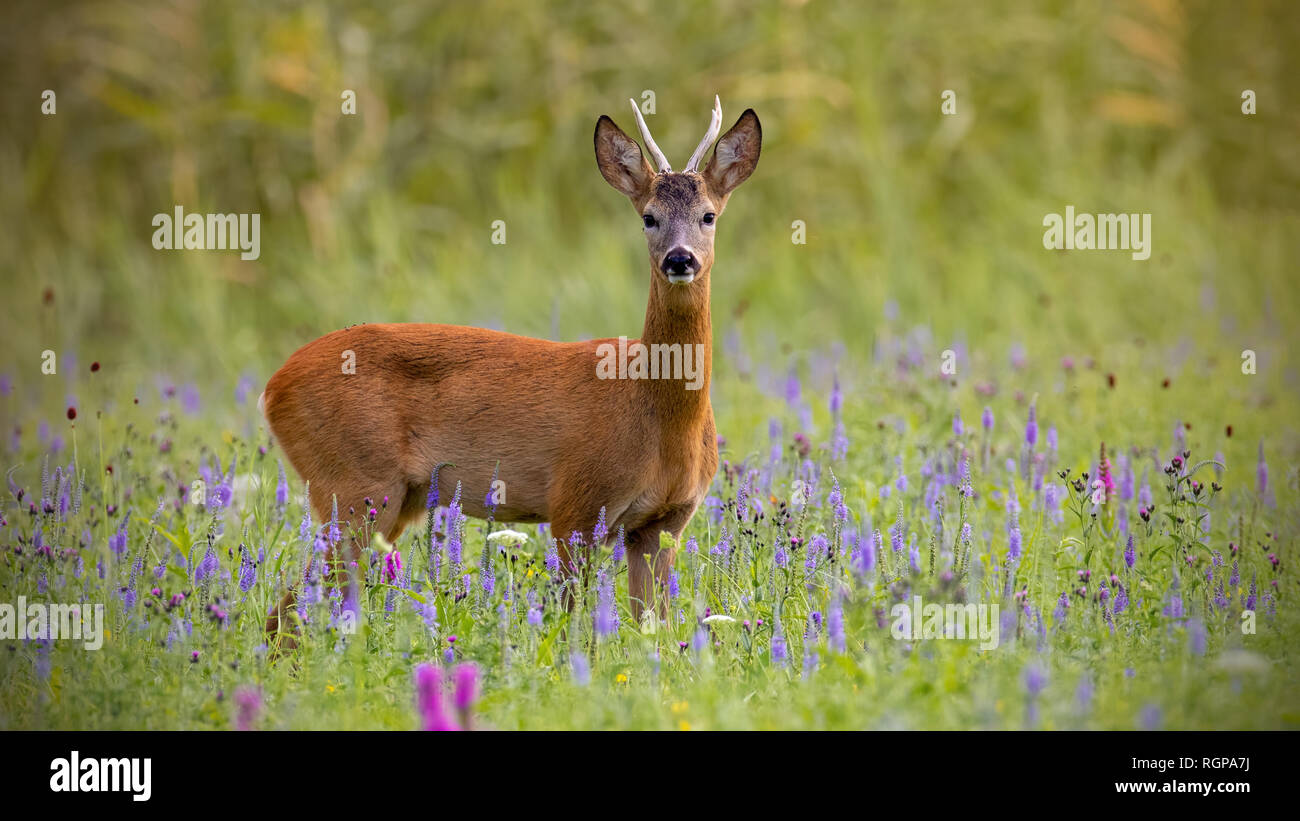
<point>432,700</point>
<point>392,565</point>
<point>248,703</point>
<point>1104,476</point>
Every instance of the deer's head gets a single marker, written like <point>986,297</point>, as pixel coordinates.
<point>679,210</point>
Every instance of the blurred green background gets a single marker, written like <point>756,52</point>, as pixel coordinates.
<point>473,112</point>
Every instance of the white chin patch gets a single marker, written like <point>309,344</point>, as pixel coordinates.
<point>681,279</point>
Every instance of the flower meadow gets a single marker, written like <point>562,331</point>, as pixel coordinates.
<point>1136,538</point>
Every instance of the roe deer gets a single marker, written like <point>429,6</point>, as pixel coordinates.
<point>459,404</point>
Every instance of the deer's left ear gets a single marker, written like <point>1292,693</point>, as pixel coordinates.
<point>735,156</point>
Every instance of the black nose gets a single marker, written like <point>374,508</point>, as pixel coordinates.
<point>680,261</point>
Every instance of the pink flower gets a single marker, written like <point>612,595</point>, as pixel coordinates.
<point>431,691</point>
<point>249,703</point>
<point>1105,478</point>
<point>392,565</point>
<point>431,699</point>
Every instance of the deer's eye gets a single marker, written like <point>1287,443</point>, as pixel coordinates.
<point>649,221</point>
<point>709,218</point>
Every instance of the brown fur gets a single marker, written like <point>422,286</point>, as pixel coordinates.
<point>567,443</point>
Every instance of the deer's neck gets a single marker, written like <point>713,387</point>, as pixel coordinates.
<point>678,315</point>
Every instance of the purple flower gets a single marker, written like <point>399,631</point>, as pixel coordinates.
<point>1035,680</point>
<point>552,558</point>
<point>1261,474</point>
<point>986,419</point>
<point>247,570</point>
<point>601,530</point>
<point>1083,694</point>
<point>190,402</point>
<point>282,489</point>
<point>966,488</point>
<point>1126,479</point>
<point>117,542</point>
<point>332,534</point>
<point>839,442</point>
<point>1174,609</point>
<point>957,429</point>
<point>778,648</point>
<point>865,558</point>
<point>835,627</point>
<point>1031,427</point>
<point>242,388</point>
<point>304,529</point>
<point>455,531</point>
<point>1062,607</point>
<point>207,566</point>
<point>1196,637</point>
<point>1130,555</point>
<point>606,615</point>
<point>581,669</point>
<point>792,388</point>
<point>620,545</point>
<point>1150,717</point>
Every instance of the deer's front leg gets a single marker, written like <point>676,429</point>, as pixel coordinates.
<point>650,562</point>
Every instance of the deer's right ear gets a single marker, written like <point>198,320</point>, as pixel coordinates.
<point>620,159</point>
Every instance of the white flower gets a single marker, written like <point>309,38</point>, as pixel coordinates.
<point>508,537</point>
<point>1098,492</point>
<point>717,617</point>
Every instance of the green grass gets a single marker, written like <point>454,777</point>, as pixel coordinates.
<point>140,680</point>
<point>924,234</point>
